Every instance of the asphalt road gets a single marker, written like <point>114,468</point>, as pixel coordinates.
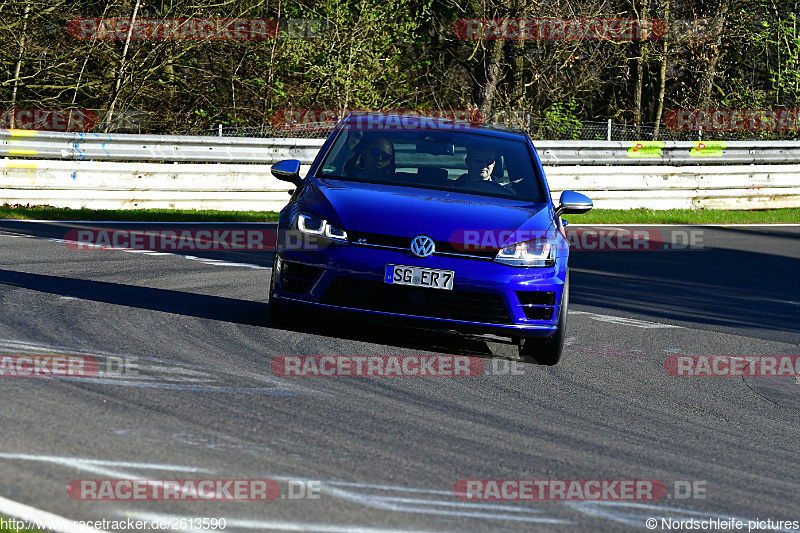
<point>187,392</point>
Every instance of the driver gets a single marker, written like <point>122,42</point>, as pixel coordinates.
<point>480,161</point>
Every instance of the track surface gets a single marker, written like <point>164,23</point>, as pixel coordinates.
<point>387,451</point>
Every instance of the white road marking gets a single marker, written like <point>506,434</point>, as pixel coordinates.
<point>386,497</point>
<point>129,370</point>
<point>279,525</point>
<point>222,262</point>
<point>202,260</point>
<point>625,321</point>
<point>90,465</point>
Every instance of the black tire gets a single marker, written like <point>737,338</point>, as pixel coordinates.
<point>548,351</point>
<point>278,313</point>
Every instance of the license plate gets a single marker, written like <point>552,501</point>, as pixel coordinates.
<point>419,277</point>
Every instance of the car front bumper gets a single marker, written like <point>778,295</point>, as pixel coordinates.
<point>487,297</point>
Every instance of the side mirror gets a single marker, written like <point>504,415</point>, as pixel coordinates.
<point>572,202</point>
<point>288,170</point>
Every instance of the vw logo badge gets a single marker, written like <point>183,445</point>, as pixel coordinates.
<point>422,246</point>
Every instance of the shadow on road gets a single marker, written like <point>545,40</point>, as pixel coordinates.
<point>168,301</point>
<point>67,230</point>
<point>742,278</point>
<point>737,281</point>
<point>359,328</point>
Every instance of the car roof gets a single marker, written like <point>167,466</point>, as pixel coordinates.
<point>375,121</point>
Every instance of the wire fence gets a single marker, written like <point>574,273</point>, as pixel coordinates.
<point>317,130</point>
<point>536,128</point>
<point>609,131</point>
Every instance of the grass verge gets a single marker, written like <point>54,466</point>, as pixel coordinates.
<point>41,212</point>
<point>595,216</point>
<point>685,216</point>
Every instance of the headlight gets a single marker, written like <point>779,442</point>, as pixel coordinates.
<point>533,253</point>
<point>319,227</point>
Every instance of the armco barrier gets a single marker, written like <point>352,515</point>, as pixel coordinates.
<point>111,185</point>
<point>668,187</point>
<point>107,185</point>
<point>77,146</point>
<point>98,171</point>
<point>126,147</point>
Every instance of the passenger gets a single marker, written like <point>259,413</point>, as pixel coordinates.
<point>373,160</point>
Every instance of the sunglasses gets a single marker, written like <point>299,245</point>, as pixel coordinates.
<point>383,156</point>
<point>482,161</point>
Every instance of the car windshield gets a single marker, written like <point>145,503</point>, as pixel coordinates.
<point>444,160</point>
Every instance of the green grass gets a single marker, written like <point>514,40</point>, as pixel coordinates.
<point>595,216</point>
<point>43,212</point>
<point>685,216</point>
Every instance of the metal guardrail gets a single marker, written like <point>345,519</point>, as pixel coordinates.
<point>185,148</point>
<point>178,148</point>
<point>675,153</point>
<point>673,187</point>
<point>118,171</point>
<point>124,185</point>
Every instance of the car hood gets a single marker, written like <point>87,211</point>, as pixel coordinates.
<point>409,211</point>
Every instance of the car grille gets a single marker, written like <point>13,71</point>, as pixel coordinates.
<point>536,297</point>
<point>296,277</point>
<point>404,243</point>
<point>469,306</point>
<point>538,313</point>
<point>537,305</point>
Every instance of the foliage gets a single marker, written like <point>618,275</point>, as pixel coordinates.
<point>398,54</point>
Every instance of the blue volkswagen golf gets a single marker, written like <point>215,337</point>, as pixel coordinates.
<point>445,223</point>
